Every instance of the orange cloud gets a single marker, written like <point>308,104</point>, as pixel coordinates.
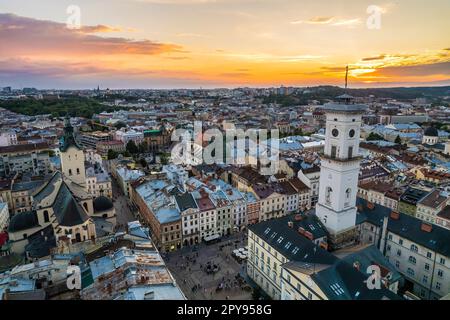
<point>39,37</point>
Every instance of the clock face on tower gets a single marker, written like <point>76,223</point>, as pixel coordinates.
<point>335,132</point>
<point>351,133</point>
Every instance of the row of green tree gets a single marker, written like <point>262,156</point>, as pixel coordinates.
<point>75,106</point>
<point>133,150</point>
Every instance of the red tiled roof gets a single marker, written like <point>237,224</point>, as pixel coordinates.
<point>24,147</point>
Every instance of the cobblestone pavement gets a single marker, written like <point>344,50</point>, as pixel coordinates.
<point>123,211</point>
<point>185,266</point>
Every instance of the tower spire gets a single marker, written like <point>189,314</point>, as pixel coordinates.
<point>346,76</point>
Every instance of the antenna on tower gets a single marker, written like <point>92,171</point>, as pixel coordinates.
<point>346,76</point>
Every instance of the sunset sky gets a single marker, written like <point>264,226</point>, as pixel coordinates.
<point>223,43</point>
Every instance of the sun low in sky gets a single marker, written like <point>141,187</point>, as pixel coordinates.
<point>223,43</point>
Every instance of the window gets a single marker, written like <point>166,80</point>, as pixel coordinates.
<point>310,296</point>
<point>351,133</point>
<point>328,193</point>
<point>429,255</point>
<point>412,260</point>
<point>425,279</point>
<point>410,272</point>
<point>427,267</point>
<point>333,152</point>
<point>350,152</point>
<point>70,172</point>
<point>399,252</point>
<point>442,261</point>
<point>335,132</point>
<point>438,285</point>
<point>400,242</point>
<point>440,273</point>
<point>46,216</point>
<point>78,170</point>
<point>397,264</point>
<point>414,248</point>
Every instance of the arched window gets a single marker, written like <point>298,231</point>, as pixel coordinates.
<point>85,206</point>
<point>46,216</point>
<point>78,170</point>
<point>348,193</point>
<point>328,193</point>
<point>70,172</point>
<point>414,248</point>
<point>412,259</point>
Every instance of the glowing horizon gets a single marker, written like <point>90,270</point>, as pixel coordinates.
<point>218,43</point>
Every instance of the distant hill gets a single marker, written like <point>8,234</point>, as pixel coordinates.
<point>323,93</point>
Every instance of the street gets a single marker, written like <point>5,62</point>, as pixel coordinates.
<point>123,212</point>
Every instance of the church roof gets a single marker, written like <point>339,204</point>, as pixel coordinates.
<point>68,139</point>
<point>47,189</point>
<point>431,132</point>
<point>102,204</point>
<point>23,221</point>
<point>40,243</point>
<point>67,210</point>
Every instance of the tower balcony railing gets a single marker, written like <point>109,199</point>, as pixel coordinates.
<point>329,157</point>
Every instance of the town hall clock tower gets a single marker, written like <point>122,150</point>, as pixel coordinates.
<point>339,171</point>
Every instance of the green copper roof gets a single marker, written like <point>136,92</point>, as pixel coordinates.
<point>68,139</point>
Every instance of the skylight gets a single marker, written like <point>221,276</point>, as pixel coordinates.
<point>337,289</point>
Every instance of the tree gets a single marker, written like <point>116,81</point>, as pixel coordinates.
<point>164,159</point>
<point>112,154</point>
<point>120,125</point>
<point>144,163</point>
<point>256,294</point>
<point>131,147</point>
<point>374,136</point>
<point>143,147</point>
<point>126,154</point>
<point>398,140</point>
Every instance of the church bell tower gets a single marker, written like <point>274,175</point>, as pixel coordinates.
<point>72,157</point>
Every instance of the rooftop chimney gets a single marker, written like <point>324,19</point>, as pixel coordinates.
<point>395,215</point>
<point>426,227</point>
